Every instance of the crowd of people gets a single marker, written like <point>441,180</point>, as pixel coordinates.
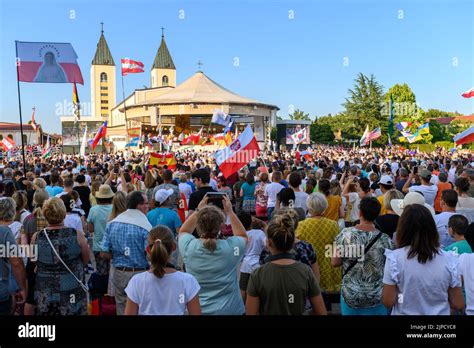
<point>334,231</point>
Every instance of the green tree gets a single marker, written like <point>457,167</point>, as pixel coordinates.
<point>299,115</point>
<point>456,127</point>
<point>364,106</point>
<point>403,103</point>
<point>435,113</point>
<point>438,132</point>
<point>400,94</point>
<point>340,122</point>
<point>273,134</point>
<point>321,133</point>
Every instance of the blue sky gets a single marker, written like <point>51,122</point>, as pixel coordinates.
<point>283,61</point>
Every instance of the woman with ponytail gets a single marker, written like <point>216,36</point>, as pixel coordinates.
<point>281,286</point>
<point>214,261</point>
<point>162,290</point>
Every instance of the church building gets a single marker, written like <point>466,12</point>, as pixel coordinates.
<point>183,108</point>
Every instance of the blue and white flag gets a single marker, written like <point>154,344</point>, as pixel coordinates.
<point>133,142</point>
<point>220,117</point>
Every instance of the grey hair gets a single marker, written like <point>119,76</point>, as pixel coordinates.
<point>317,203</point>
<point>7,209</point>
<point>8,173</point>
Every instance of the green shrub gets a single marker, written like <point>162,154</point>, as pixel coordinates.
<point>445,144</point>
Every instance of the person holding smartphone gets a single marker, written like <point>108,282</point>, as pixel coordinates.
<point>201,178</point>
<point>213,261</point>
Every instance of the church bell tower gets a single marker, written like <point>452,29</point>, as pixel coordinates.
<point>103,86</point>
<point>163,71</point>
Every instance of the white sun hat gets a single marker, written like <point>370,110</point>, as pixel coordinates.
<point>411,198</point>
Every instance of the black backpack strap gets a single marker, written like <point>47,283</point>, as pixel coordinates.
<point>367,248</point>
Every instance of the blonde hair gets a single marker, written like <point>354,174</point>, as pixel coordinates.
<point>391,195</point>
<point>39,197</point>
<point>119,204</point>
<point>54,211</point>
<point>317,203</point>
<point>39,183</point>
<point>21,200</point>
<point>289,212</point>
<point>209,221</point>
<point>161,243</point>
<point>95,187</point>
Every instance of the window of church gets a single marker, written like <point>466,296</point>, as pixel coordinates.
<point>104,88</point>
<point>164,80</point>
<point>103,77</point>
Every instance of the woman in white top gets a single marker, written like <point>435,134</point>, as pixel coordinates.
<point>353,192</point>
<point>465,201</point>
<point>71,220</point>
<point>419,277</point>
<point>162,290</point>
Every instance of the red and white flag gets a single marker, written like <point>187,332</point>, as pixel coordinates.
<point>47,62</point>
<point>7,144</point>
<point>465,137</point>
<point>469,93</point>
<point>238,154</point>
<point>193,139</point>
<point>130,66</point>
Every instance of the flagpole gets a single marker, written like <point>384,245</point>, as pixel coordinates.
<point>125,111</point>
<point>19,104</point>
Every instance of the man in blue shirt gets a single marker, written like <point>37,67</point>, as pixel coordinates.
<point>162,215</point>
<point>125,240</point>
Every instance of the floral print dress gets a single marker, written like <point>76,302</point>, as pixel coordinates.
<point>57,292</point>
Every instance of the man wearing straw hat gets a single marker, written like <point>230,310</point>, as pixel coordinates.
<point>97,221</point>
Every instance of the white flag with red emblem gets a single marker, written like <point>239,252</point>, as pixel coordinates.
<point>130,66</point>
<point>239,153</point>
<point>7,144</point>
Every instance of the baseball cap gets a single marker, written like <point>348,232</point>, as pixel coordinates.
<point>162,195</point>
<point>386,180</point>
<point>425,173</point>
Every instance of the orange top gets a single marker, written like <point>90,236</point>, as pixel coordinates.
<point>441,187</point>
<point>334,203</point>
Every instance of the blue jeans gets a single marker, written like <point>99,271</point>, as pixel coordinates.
<point>270,212</point>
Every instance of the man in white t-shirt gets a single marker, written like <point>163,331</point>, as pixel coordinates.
<point>184,187</point>
<point>449,200</point>
<point>394,165</point>
<point>87,176</point>
<point>271,191</point>
<point>428,190</point>
<point>300,197</point>
<point>452,172</point>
